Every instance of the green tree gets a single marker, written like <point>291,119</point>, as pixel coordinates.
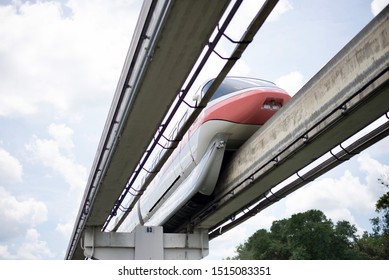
<point>376,244</point>
<point>382,207</point>
<point>308,235</point>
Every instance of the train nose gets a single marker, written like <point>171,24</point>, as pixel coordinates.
<point>253,107</point>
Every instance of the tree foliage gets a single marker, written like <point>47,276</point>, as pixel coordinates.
<point>308,235</point>
<point>311,235</point>
<point>376,245</point>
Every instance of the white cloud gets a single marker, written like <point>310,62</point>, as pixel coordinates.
<point>247,12</point>
<point>242,19</point>
<point>344,198</point>
<point>378,5</point>
<point>10,104</point>
<point>56,154</point>
<point>291,82</point>
<point>52,62</point>
<point>225,245</point>
<point>10,167</point>
<point>329,194</point>
<point>282,7</point>
<point>65,229</point>
<point>4,253</point>
<point>19,215</point>
<point>373,169</point>
<point>62,135</point>
<point>33,248</point>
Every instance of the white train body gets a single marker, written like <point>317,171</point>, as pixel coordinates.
<point>237,109</point>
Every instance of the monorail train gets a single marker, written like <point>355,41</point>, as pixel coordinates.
<point>236,110</point>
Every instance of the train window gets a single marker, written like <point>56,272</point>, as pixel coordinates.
<point>231,84</point>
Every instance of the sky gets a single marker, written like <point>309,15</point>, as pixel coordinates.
<point>60,62</point>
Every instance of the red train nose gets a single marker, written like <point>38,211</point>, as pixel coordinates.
<point>252,107</point>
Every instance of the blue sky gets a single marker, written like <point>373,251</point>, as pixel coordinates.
<point>60,62</point>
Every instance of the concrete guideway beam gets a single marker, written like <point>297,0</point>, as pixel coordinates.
<point>145,243</point>
<point>349,93</point>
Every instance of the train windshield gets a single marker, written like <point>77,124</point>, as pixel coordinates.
<point>231,84</point>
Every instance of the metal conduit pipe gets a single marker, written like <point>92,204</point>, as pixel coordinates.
<point>242,44</point>
<point>265,201</point>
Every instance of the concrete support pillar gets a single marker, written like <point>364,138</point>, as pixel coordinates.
<point>145,243</point>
